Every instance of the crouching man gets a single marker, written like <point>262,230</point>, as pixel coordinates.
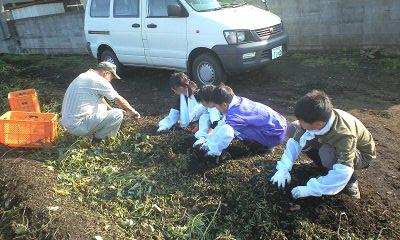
<point>334,140</point>
<point>85,110</point>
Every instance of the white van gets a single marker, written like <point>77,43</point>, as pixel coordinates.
<point>206,38</point>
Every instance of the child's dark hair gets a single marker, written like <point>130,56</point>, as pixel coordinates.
<point>205,93</point>
<point>313,107</point>
<point>222,94</point>
<point>181,80</point>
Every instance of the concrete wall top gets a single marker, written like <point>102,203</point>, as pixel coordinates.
<point>325,24</point>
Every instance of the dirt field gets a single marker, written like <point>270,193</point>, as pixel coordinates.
<point>139,186</point>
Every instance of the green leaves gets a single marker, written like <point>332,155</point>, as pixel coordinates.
<point>108,170</point>
<point>21,229</point>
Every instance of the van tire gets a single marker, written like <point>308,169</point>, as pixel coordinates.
<point>207,69</point>
<point>109,56</point>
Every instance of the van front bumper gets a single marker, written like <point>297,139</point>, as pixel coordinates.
<point>232,56</point>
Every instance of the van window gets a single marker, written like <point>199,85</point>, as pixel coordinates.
<point>126,8</point>
<point>203,5</point>
<point>100,8</point>
<point>159,8</point>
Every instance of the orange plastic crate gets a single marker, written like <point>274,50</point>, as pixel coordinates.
<point>24,100</point>
<point>28,129</point>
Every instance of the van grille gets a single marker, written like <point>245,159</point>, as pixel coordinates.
<point>266,54</point>
<point>265,32</point>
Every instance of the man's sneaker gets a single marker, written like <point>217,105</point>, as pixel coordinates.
<point>352,190</point>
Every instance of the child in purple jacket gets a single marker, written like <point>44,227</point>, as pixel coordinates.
<point>247,120</point>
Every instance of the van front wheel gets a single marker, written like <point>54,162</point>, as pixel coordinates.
<point>206,69</point>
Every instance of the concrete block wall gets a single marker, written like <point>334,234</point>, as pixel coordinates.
<point>333,24</point>
<point>8,44</point>
<point>53,34</point>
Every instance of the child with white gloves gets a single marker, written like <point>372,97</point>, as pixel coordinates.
<point>208,116</point>
<point>249,121</point>
<point>191,108</point>
<point>183,111</point>
<point>335,140</point>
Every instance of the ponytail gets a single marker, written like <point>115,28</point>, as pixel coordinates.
<point>193,86</point>
<point>182,80</point>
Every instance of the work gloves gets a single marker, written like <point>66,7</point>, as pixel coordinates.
<point>168,121</point>
<point>300,192</point>
<point>199,142</point>
<point>162,129</point>
<point>281,178</point>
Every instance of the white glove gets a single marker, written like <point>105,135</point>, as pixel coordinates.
<point>168,121</point>
<point>281,177</point>
<point>162,129</point>
<point>300,192</point>
<point>215,115</point>
<point>219,140</point>
<point>209,154</point>
<point>200,141</point>
<point>196,113</point>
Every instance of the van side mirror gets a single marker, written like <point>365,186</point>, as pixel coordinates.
<point>265,2</point>
<point>175,10</point>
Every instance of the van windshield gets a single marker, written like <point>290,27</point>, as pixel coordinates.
<point>214,5</point>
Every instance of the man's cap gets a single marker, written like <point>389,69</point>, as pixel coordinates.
<point>109,67</point>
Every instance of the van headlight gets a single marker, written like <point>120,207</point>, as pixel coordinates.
<point>237,36</point>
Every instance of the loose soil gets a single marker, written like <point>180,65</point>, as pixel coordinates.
<point>28,187</point>
<point>259,210</point>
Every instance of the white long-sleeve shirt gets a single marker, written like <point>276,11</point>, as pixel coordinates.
<point>331,184</point>
<point>199,110</point>
<point>222,135</point>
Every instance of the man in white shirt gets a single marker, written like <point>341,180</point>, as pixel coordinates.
<point>85,110</point>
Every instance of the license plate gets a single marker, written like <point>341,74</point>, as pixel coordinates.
<point>276,52</point>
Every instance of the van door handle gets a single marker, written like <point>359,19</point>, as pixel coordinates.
<point>136,25</point>
<point>152,25</point>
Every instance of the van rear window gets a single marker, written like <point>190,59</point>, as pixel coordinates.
<point>100,8</point>
<point>126,8</point>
